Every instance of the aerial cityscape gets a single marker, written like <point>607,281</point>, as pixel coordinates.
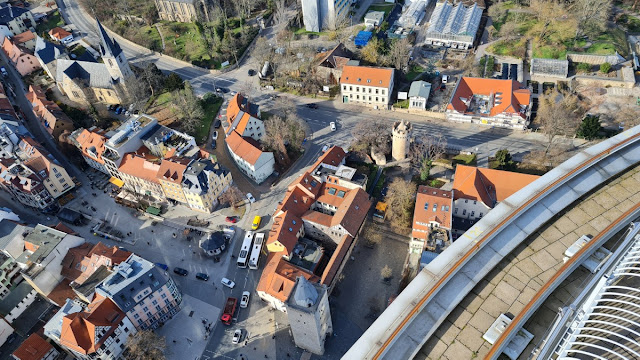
<point>319,179</point>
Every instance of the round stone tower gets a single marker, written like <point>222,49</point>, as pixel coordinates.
<point>401,134</point>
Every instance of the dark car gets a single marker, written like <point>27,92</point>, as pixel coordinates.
<point>162,266</point>
<point>222,90</point>
<point>312,106</point>
<point>251,72</point>
<point>180,271</point>
<point>213,144</point>
<point>231,219</point>
<point>110,107</point>
<point>202,276</point>
<point>217,123</point>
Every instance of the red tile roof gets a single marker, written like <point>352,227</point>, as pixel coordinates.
<point>284,231</point>
<point>426,198</point>
<point>172,169</point>
<point>279,277</point>
<point>79,329</point>
<point>509,95</point>
<point>24,37</point>
<point>33,348</point>
<point>94,141</point>
<point>58,33</point>
<point>353,210</point>
<point>245,148</point>
<point>366,76</point>
<point>488,185</point>
<point>62,292</point>
<point>333,157</point>
<point>236,105</point>
<point>139,167</point>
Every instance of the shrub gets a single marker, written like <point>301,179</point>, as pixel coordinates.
<point>605,68</point>
<point>583,67</point>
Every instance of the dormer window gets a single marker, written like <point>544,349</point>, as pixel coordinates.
<point>368,80</point>
<point>359,79</point>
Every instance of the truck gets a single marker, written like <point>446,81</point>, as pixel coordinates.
<point>229,310</point>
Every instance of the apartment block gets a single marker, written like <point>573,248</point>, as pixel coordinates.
<point>365,85</point>
<point>142,291</point>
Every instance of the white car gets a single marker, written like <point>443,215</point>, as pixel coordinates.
<point>233,93</point>
<point>237,336</point>
<point>215,135</point>
<point>445,79</point>
<point>251,198</point>
<point>244,300</point>
<point>332,125</point>
<point>228,283</point>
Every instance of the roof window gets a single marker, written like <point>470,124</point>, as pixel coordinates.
<point>368,80</point>
<point>380,81</point>
<point>359,79</point>
<point>426,206</point>
<point>341,193</point>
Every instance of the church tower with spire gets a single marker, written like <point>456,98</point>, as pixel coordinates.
<point>113,57</point>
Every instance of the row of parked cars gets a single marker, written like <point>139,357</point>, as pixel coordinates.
<point>121,110</point>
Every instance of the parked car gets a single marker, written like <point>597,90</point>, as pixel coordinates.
<point>251,198</point>
<point>228,283</point>
<point>333,125</point>
<point>233,93</point>
<point>231,219</point>
<point>162,266</point>
<point>4,71</point>
<point>180,271</point>
<point>251,72</point>
<point>202,276</point>
<point>237,336</point>
<point>244,301</point>
<point>217,123</point>
<point>256,222</point>
<point>110,107</point>
<point>215,135</point>
<point>213,144</point>
<point>445,79</point>
<point>312,106</point>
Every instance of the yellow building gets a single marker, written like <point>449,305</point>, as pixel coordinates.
<point>170,176</point>
<point>203,182</point>
<point>56,179</point>
<point>86,82</point>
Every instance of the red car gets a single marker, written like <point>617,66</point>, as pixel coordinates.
<point>231,219</point>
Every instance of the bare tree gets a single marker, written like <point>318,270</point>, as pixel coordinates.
<point>386,273</point>
<point>338,21</point>
<point>591,15</point>
<point>186,106</point>
<point>372,133</point>
<point>280,12</point>
<point>424,151</point>
<point>559,115</point>
<point>146,344</point>
<point>371,52</point>
<point>509,30</point>
<point>372,235</point>
<point>399,53</point>
<point>628,116</point>
<point>231,197</point>
<point>283,132</point>
<point>548,13</point>
<point>400,200</point>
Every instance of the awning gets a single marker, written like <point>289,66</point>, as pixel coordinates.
<point>117,182</point>
<point>153,210</point>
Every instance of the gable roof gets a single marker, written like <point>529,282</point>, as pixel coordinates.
<point>138,166</point>
<point>279,277</point>
<point>335,58</point>
<point>506,96</point>
<point>8,13</point>
<point>47,51</point>
<point>424,211</point>
<point>33,348</point>
<point>79,329</point>
<point>58,33</point>
<point>284,230</point>
<point>172,169</point>
<point>488,185</point>
<point>243,147</point>
<point>24,37</point>
<point>366,76</point>
<point>95,73</point>
<point>92,144</point>
<point>240,111</point>
<point>352,211</point>
<point>420,89</point>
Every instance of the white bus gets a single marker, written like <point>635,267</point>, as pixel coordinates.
<point>254,261</point>
<point>245,250</point>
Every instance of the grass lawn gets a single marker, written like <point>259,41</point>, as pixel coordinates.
<point>303,31</point>
<point>414,73</point>
<point>381,7</point>
<point>52,21</point>
<point>465,159</point>
<point>508,48</point>
<point>210,111</point>
<point>185,40</point>
<point>403,104</point>
<point>630,22</point>
<point>550,52</point>
<point>610,42</point>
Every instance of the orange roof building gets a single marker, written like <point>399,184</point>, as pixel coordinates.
<point>26,39</point>
<point>59,33</point>
<point>494,102</point>
<point>433,210</point>
<point>170,175</point>
<point>246,152</point>
<point>22,58</point>
<point>50,114</point>
<point>330,212</point>
<point>92,145</point>
<point>86,332</point>
<point>478,190</point>
<point>243,117</point>
<point>35,348</point>
<point>139,172</point>
<point>366,85</point>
